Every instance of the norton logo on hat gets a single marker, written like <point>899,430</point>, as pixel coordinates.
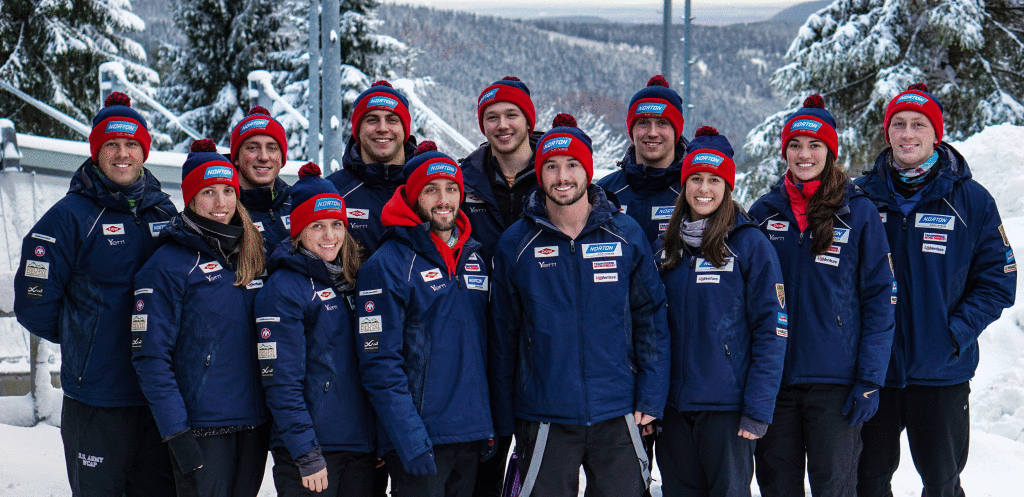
<point>441,168</point>
<point>805,124</point>
<point>121,127</point>
<point>218,172</point>
<point>382,102</point>
<point>650,108</point>
<point>327,203</point>
<point>489,95</point>
<point>255,123</point>
<point>912,97</point>
<point>556,143</point>
<point>706,158</point>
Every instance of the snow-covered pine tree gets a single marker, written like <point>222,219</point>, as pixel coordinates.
<point>51,50</point>
<point>860,53</point>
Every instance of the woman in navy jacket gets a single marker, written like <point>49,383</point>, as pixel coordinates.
<point>193,341</point>
<point>728,330</point>
<point>840,293</point>
<point>323,437</point>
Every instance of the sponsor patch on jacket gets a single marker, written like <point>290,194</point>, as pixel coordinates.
<point>156,228</point>
<point>891,270</point>
<point>473,198</point>
<point>34,292</point>
<point>827,259</point>
<point>40,236</point>
<point>705,266</point>
<point>473,257</point>
<point>357,213</point>
<point>662,226</point>
<point>894,287</point>
<point>265,333</point>
<point>37,269</point>
<point>1009,256</point>
<point>211,267</point>
<point>476,282</point>
<point>884,216</point>
<point>371,344</point>
<point>606,277</point>
<point>780,293</point>
<point>136,342</point>
<point>1002,233</point>
<point>258,225</point>
<point>140,322</point>
<point>594,250</point>
<point>936,221</point>
<point>326,294</point>
<point>708,278</point>
<point>783,319</point>
<point>268,319</point>
<point>39,251</point>
<point>369,306</point>
<point>892,300</point>
<point>662,212</point>
<point>431,274</point>
<point>551,251</point>
<point>605,265</point>
<point>472,267</point>
<point>143,291</point>
<point>287,220</point>
<point>254,284</point>
<point>834,250</point>
<point>370,324</point>
<point>933,248</point>
<point>840,235</point>
<point>778,225</point>
<point>623,209</point>
<point>267,371</point>
<point>266,351</point>
<point>113,229</point>
<point>936,237</point>
<point>139,305</point>
<point>782,332</point>
<point>375,291</point>
<point>1010,268</point>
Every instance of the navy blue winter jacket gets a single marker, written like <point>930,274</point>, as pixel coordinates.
<point>728,327</point>
<point>312,386</point>
<point>74,285</point>
<point>580,334</point>
<point>422,340</point>
<point>647,194</point>
<point>841,303</point>
<point>366,188</point>
<point>480,204</point>
<point>270,212</point>
<point>955,270</point>
<point>193,339</point>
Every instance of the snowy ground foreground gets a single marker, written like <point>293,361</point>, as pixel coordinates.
<point>32,462</point>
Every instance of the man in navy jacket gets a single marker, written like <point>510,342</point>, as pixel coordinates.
<point>68,291</point>
<point>955,273</point>
<point>579,355</point>
<point>259,149</point>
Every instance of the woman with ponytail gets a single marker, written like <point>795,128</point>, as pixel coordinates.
<point>193,339</point>
<point>838,296</point>
<point>324,426</point>
<point>728,330</point>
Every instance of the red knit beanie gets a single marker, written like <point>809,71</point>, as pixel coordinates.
<point>118,119</point>
<point>426,165</point>
<point>258,122</point>
<point>918,99</point>
<point>204,167</point>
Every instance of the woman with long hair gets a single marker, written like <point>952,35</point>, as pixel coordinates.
<point>728,330</point>
<point>324,426</point>
<point>840,293</point>
<point>193,339</point>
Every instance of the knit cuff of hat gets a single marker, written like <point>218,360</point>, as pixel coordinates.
<point>758,428</point>
<point>311,462</point>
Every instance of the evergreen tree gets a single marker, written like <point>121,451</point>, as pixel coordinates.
<point>51,50</point>
<point>860,53</point>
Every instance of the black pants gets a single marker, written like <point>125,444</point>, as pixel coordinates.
<point>605,450</point>
<point>700,454</point>
<point>349,474</point>
<point>114,451</point>
<point>937,420</point>
<point>233,465</point>
<point>456,473</point>
<point>491,473</point>
<point>808,422</point>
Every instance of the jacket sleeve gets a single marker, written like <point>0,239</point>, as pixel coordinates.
<point>379,343</point>
<point>875,282</point>
<point>48,255</point>
<point>769,327</point>
<point>157,327</point>
<point>651,337</point>
<point>503,343</point>
<point>279,309</point>
<point>991,284</point>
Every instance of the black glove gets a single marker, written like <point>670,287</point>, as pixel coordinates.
<point>422,464</point>
<point>863,401</point>
<point>186,451</point>
<point>487,449</point>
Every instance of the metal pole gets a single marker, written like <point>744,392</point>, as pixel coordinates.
<point>666,42</point>
<point>334,137</point>
<point>686,63</point>
<point>313,101</point>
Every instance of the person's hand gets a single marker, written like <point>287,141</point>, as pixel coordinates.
<point>645,421</point>
<point>863,401</point>
<point>422,465</point>
<point>316,482</point>
<point>487,449</point>
<point>747,435</point>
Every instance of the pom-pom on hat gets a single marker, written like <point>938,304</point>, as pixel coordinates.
<point>508,89</point>
<point>710,152</point>
<point>313,199</point>
<point>258,122</point>
<point>918,99</point>
<point>118,119</point>
<point>426,165</point>
<point>814,121</point>
<point>656,100</point>
<point>565,138</point>
<point>204,167</point>
<point>381,96</point>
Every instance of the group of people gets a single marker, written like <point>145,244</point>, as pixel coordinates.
<point>406,316</point>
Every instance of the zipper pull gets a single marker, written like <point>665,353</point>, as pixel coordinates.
<point>272,215</point>
<point>572,246</point>
<point>136,214</point>
<point>801,241</point>
<point>904,224</point>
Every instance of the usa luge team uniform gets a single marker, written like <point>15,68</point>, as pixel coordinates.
<point>647,194</point>
<point>268,208</point>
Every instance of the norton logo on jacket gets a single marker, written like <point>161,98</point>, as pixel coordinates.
<point>705,266</point>
<point>593,250</point>
<point>662,212</point>
<point>778,225</point>
<point>476,282</point>
<point>936,221</point>
<point>840,235</point>
<point>156,228</point>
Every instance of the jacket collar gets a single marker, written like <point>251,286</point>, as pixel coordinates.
<point>600,213</point>
<point>86,182</point>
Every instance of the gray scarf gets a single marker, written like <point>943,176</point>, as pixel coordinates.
<point>693,232</point>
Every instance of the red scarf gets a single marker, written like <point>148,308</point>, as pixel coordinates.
<point>398,213</point>
<point>798,198</point>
